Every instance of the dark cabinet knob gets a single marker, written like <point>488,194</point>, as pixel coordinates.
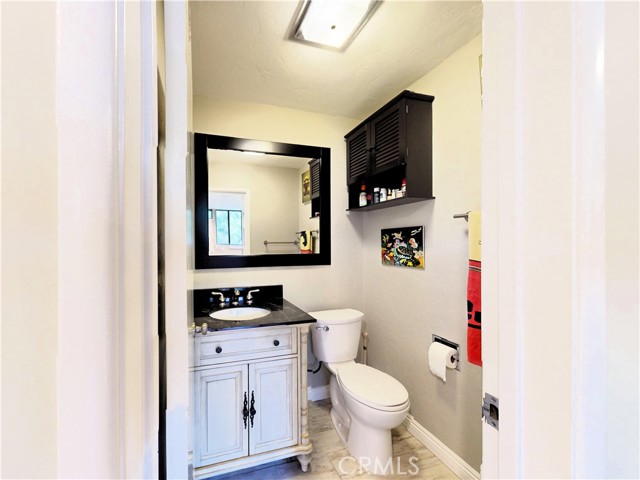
<point>276,342</point>
<point>218,349</point>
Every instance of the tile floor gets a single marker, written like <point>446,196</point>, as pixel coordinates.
<point>330,460</point>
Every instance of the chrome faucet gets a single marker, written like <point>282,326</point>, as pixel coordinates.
<point>237,297</point>
<point>250,297</point>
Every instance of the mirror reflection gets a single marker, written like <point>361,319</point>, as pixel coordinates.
<point>261,204</point>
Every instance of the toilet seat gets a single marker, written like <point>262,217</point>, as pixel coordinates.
<point>372,388</point>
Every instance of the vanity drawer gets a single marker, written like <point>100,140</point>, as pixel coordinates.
<point>231,346</point>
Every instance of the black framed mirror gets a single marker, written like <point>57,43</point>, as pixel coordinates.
<point>260,203</point>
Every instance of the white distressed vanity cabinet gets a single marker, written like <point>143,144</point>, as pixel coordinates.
<point>249,398</point>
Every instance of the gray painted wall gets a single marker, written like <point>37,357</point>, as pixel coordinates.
<point>404,307</point>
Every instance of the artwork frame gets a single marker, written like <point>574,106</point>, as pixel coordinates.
<point>306,186</point>
<point>403,247</point>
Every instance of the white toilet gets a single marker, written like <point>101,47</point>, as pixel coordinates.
<point>366,403</point>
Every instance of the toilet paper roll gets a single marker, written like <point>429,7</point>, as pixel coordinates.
<point>441,357</point>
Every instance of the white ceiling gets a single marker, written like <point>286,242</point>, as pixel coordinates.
<point>240,51</point>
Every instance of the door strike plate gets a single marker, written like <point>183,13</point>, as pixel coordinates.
<point>491,410</point>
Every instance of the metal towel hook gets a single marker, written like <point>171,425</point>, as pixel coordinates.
<point>462,215</point>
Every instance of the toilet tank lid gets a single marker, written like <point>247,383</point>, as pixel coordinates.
<point>337,317</point>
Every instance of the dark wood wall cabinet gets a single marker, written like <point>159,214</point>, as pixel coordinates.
<point>392,147</point>
<point>314,173</point>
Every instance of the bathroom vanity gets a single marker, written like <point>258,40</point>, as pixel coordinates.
<point>249,382</point>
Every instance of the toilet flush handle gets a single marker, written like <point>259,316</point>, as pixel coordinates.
<point>324,328</point>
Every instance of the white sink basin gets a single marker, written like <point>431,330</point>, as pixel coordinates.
<point>240,313</point>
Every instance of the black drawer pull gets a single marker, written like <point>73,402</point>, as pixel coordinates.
<point>276,342</point>
<point>218,349</point>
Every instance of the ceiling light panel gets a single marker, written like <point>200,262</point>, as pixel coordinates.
<point>332,24</point>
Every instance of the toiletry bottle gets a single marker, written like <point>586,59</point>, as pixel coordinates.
<point>383,194</point>
<point>363,196</point>
<point>376,195</point>
<point>404,187</point>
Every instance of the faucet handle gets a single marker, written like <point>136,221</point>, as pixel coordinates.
<point>250,297</point>
<point>221,295</point>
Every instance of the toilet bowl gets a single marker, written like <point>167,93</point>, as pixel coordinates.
<point>366,403</point>
<point>376,403</point>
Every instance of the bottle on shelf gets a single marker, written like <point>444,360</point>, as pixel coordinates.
<point>383,194</point>
<point>404,187</point>
<point>376,195</point>
<point>363,196</point>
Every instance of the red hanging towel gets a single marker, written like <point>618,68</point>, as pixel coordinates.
<point>474,305</point>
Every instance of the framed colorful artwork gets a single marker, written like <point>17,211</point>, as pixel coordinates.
<point>403,246</point>
<point>306,187</point>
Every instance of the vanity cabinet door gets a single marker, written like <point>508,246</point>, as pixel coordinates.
<point>220,433</point>
<point>273,387</point>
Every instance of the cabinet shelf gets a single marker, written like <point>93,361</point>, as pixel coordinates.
<point>389,203</point>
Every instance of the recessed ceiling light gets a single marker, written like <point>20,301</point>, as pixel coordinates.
<point>332,24</point>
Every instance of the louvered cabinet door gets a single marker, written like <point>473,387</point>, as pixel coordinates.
<point>357,155</point>
<point>314,173</point>
<point>386,131</point>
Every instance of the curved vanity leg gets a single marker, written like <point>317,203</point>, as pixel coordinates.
<point>304,461</point>
<point>305,441</point>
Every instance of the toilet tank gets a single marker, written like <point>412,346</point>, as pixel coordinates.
<point>336,336</point>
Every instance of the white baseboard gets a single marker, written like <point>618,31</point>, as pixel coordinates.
<point>318,393</point>
<point>440,450</point>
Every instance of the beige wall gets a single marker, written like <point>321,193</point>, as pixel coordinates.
<point>273,194</point>
<point>29,241</point>
<point>405,307</point>
<point>311,288</point>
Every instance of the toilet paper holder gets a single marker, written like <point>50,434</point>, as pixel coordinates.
<point>448,343</point>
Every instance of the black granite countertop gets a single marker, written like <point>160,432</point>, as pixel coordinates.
<point>283,312</point>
